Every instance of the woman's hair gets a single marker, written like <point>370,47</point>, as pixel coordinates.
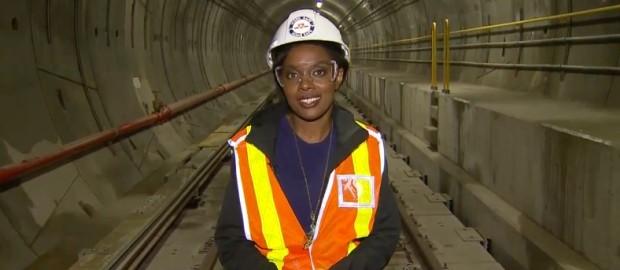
<point>333,49</point>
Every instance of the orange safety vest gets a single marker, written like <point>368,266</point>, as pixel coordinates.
<point>347,211</point>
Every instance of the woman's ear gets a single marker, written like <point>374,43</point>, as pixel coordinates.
<point>339,78</point>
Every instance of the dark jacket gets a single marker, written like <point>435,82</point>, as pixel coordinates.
<point>236,252</point>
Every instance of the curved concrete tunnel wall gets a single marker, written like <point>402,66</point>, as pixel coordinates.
<point>73,68</point>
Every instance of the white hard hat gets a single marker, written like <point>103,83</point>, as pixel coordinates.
<point>306,25</point>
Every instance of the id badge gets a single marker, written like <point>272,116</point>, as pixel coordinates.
<point>356,191</point>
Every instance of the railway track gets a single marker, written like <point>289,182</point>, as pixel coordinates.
<point>174,230</point>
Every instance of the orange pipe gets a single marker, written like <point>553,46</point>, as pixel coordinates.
<point>11,172</point>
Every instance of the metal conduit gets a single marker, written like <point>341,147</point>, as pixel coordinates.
<point>392,9</point>
<point>385,9</point>
<point>348,15</point>
<point>538,67</point>
<point>423,39</point>
<point>599,39</point>
<point>369,15</point>
<point>262,12</point>
<point>539,19</point>
<point>375,18</point>
<point>251,20</point>
<point>495,26</point>
<point>380,15</point>
<point>394,43</point>
<point>11,172</point>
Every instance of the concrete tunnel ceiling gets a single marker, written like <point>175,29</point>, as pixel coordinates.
<point>74,68</point>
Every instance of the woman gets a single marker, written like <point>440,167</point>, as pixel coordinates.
<point>309,187</point>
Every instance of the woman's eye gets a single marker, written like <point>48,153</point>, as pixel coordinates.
<point>291,75</point>
<point>319,72</point>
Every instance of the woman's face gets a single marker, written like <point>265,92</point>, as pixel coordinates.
<point>309,78</point>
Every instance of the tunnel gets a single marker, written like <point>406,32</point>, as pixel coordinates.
<point>510,108</point>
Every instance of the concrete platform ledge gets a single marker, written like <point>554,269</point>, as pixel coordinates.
<point>540,177</point>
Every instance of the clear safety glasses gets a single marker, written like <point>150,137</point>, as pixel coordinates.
<point>321,73</point>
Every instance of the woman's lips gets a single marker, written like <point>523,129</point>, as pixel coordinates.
<point>309,102</point>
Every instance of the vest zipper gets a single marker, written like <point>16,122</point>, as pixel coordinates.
<point>311,260</point>
<point>320,214</point>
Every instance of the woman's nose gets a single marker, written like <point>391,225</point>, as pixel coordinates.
<point>305,82</point>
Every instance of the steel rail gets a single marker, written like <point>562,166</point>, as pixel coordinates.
<point>135,251</point>
<point>133,254</point>
<point>11,173</point>
<point>210,260</point>
<point>419,250</point>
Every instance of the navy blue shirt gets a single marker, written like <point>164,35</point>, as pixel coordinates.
<point>289,173</point>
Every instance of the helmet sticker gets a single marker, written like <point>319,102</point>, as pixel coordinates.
<point>301,26</point>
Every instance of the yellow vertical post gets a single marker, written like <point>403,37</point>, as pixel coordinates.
<point>434,56</point>
<point>446,56</point>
